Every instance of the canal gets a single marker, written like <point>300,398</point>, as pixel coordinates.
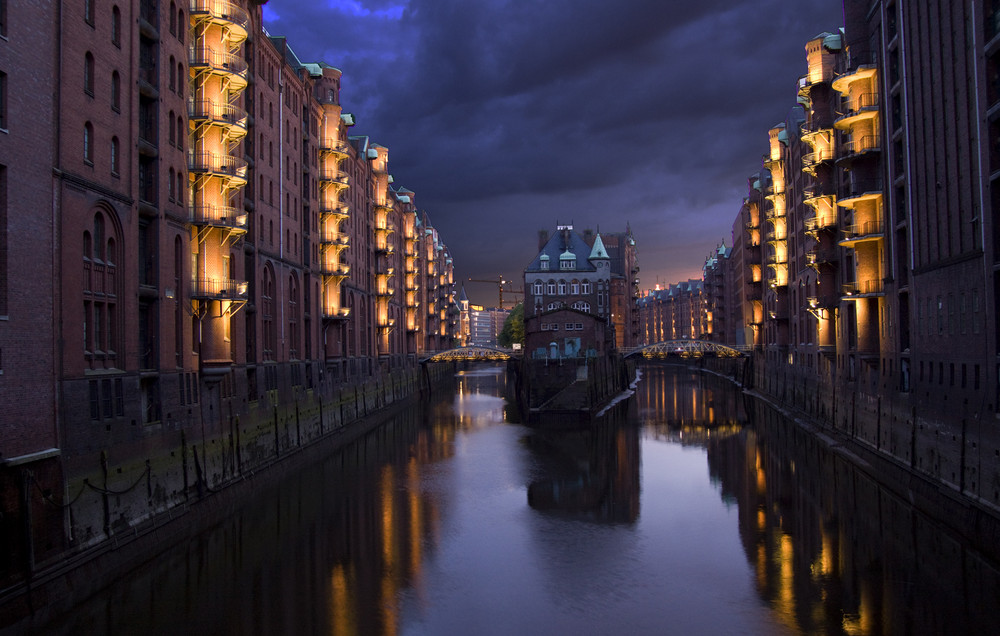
<point>680,514</point>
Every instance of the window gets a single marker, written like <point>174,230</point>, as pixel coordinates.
<point>116,26</point>
<point>88,143</point>
<point>3,240</point>
<point>88,11</point>
<point>173,19</point>
<point>551,288</point>
<point>562,288</point>
<point>170,185</point>
<point>3,18</point>
<point>116,91</point>
<point>574,288</point>
<point>567,264</point>
<point>172,75</point>
<point>537,288</point>
<point>88,73</point>
<point>586,287</point>
<point>114,156</point>
<point>3,98</point>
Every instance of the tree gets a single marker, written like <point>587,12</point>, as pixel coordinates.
<point>513,327</point>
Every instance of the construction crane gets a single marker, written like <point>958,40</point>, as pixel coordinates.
<point>499,282</point>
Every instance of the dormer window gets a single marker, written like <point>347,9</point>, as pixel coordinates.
<point>566,264</point>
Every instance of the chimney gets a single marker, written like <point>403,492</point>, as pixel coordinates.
<point>543,238</point>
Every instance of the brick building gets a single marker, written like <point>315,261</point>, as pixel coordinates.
<point>187,228</point>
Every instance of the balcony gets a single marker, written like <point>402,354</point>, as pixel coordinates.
<point>817,257</point>
<point>218,289</point>
<point>334,176</point>
<point>232,117</point>
<point>812,195</point>
<point>862,289</point>
<point>229,65</point>
<point>223,12</point>
<point>337,147</point>
<point>854,192</point>
<point>853,149</point>
<point>384,247</point>
<point>386,290</point>
<point>338,210</point>
<point>336,313</point>
<point>218,216</point>
<point>823,301</point>
<point>335,238</point>
<point>818,223</point>
<point>812,159</point>
<point>855,67</point>
<point>869,231</point>
<point>863,106</point>
<point>777,259</point>
<point>209,163</point>
<point>338,270</point>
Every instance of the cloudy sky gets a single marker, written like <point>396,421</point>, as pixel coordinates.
<point>506,117</point>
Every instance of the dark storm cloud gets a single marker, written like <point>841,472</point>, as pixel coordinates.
<point>507,115</point>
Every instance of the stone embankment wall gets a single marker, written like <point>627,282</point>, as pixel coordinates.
<point>124,502</point>
<point>945,456</point>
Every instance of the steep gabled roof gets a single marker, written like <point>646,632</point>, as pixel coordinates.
<point>562,246</point>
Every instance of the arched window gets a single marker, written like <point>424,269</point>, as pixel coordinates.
<point>180,25</point>
<point>586,287</point>
<point>170,185</point>
<point>172,74</point>
<point>114,156</point>
<point>116,91</point>
<point>293,317</point>
<point>267,313</point>
<point>574,287</point>
<point>88,11</point>
<point>88,142</point>
<point>88,73</point>
<point>551,288</point>
<point>562,288</point>
<point>180,79</point>
<point>116,26</point>
<point>173,19</point>
<point>172,130</point>
<point>180,132</point>
<point>101,291</point>
<point>537,288</point>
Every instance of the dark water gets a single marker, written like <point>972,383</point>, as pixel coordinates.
<point>676,516</point>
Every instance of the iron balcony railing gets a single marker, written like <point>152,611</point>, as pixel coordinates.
<point>854,189</point>
<point>337,209</point>
<point>222,10</point>
<point>218,288</point>
<point>338,146</point>
<point>334,175</point>
<point>214,111</point>
<point>229,63</point>
<point>337,313</point>
<point>868,228</point>
<point>863,288</point>
<point>866,143</point>
<point>212,163</point>
<point>819,223</point>
<point>218,215</point>
<point>334,238</point>
<point>335,269</point>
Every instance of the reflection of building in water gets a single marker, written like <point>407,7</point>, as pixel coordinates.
<point>592,472</point>
<point>835,553</point>
<point>688,406</point>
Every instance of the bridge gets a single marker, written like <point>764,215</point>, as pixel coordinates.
<point>684,349</point>
<point>479,352</point>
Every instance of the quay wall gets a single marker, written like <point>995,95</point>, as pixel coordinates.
<point>944,458</point>
<point>126,497</point>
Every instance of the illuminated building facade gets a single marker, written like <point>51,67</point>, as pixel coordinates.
<point>222,251</point>
<point>880,242</point>
<point>677,312</point>
<point>567,271</point>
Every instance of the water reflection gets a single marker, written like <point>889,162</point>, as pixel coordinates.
<point>453,518</point>
<point>590,472</point>
<point>831,551</point>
